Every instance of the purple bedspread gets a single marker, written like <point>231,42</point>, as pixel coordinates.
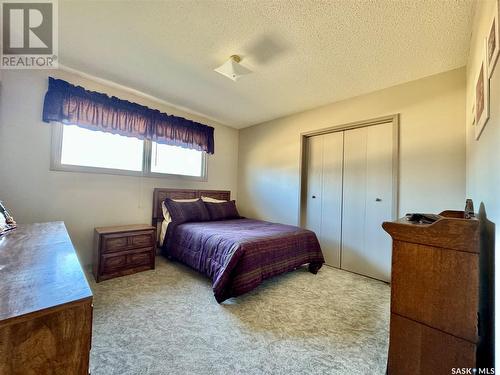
<point>239,254</point>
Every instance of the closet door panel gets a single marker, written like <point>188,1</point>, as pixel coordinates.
<point>354,209</point>
<point>367,200</point>
<point>314,183</point>
<point>379,192</point>
<point>331,209</point>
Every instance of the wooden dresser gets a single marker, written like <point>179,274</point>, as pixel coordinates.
<point>45,303</point>
<point>434,295</point>
<point>123,250</point>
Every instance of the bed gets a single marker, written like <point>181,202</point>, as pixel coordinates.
<point>238,254</point>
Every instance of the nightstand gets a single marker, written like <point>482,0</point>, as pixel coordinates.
<point>123,250</point>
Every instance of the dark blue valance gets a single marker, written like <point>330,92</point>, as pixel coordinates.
<point>92,110</point>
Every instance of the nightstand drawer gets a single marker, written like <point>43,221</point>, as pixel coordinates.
<point>144,258</point>
<point>121,242</point>
<point>141,240</point>
<point>113,263</point>
<point>113,242</point>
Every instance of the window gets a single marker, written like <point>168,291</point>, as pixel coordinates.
<point>89,148</point>
<point>187,162</point>
<point>81,150</point>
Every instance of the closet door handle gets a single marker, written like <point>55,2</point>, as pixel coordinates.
<point>313,197</point>
<point>378,199</point>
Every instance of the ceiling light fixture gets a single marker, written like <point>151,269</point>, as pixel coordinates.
<point>232,68</point>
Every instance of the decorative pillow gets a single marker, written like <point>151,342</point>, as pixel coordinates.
<point>212,200</point>
<point>222,211</point>
<point>183,212</point>
<point>166,214</point>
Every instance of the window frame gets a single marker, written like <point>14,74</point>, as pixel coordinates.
<point>56,165</point>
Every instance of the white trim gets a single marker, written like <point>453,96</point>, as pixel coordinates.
<point>138,93</point>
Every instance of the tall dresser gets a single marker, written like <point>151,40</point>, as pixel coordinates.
<point>435,295</point>
<point>45,303</point>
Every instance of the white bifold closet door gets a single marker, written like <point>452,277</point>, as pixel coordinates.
<point>367,200</point>
<point>324,193</point>
<point>349,194</point>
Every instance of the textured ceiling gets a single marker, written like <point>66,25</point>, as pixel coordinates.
<point>304,53</point>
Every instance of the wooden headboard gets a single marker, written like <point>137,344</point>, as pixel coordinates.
<point>160,194</point>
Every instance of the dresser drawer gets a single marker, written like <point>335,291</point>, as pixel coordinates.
<point>437,287</point>
<point>416,349</point>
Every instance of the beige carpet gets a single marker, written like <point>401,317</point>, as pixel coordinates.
<point>166,321</point>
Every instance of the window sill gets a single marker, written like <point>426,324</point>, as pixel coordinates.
<point>121,172</point>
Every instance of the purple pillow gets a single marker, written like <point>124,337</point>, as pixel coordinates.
<point>222,211</point>
<point>183,212</point>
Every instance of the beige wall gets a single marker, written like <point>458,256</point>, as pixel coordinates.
<point>432,148</point>
<point>82,200</point>
<point>483,156</point>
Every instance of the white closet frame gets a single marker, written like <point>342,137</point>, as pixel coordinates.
<point>394,119</point>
